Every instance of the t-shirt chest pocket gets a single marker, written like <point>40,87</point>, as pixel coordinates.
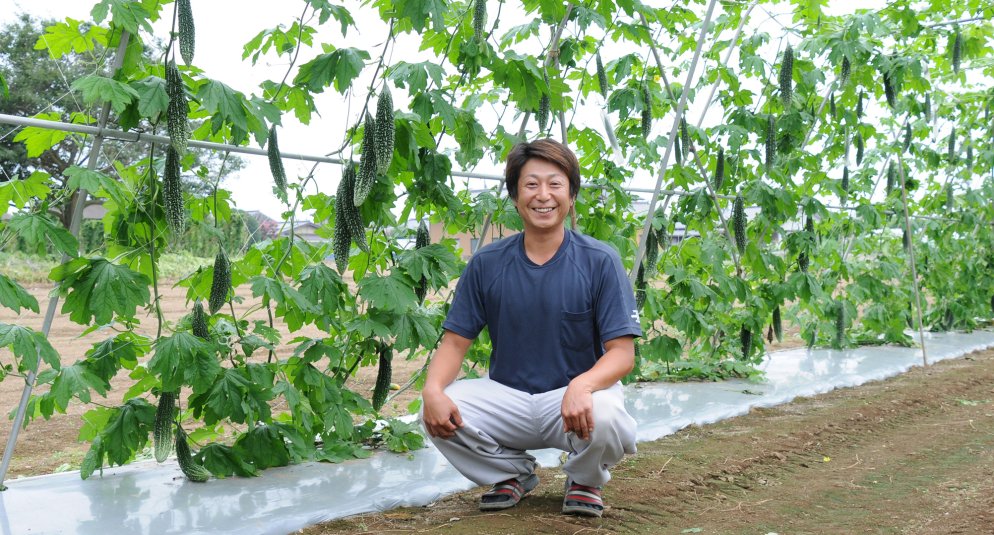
<point>577,330</point>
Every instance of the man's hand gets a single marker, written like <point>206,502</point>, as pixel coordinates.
<point>440,415</point>
<point>578,409</point>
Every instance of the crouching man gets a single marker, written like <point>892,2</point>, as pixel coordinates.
<point>562,320</point>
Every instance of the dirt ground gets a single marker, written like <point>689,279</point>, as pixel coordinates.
<point>913,454</point>
<point>49,446</point>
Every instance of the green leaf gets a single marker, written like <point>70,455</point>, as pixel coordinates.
<point>293,306</point>
<point>152,98</point>
<point>391,293</point>
<point>127,13</point>
<point>37,140</point>
<point>4,90</point>
<point>94,420</point>
<point>224,102</point>
<point>232,396</point>
<point>263,446</point>
<point>97,290</point>
<point>128,430</point>
<point>416,75</point>
<point>93,459</point>
<point>339,67</point>
<point>414,329</point>
<point>419,12</point>
<point>201,371</point>
<point>38,229</point>
<point>21,192</point>
<point>14,297</point>
<point>27,346</point>
<point>106,358</point>
<point>180,356</point>
<point>224,461</point>
<point>328,9</point>
<point>435,262</point>
<point>72,381</point>
<point>100,89</point>
<point>96,183</point>
<point>64,37</point>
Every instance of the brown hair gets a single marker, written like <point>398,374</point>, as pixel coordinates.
<point>549,150</point>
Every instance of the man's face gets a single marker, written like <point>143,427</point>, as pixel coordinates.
<point>543,195</point>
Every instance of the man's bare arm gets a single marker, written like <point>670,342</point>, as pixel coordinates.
<point>440,415</point>
<point>578,407</point>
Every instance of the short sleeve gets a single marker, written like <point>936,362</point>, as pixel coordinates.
<point>467,315</point>
<point>615,307</point>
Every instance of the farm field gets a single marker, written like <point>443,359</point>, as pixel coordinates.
<point>912,454</point>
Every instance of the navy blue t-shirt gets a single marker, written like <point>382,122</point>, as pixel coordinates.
<point>547,323</point>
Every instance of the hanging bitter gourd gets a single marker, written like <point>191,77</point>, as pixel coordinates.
<point>342,239</point>
<point>353,218</point>
<point>366,177</point>
<point>771,140</point>
<point>422,239</point>
<point>640,286</point>
<point>859,148</point>
<point>172,191</point>
<point>162,430</point>
<point>840,325</point>
<point>745,339</point>
<point>193,471</point>
<point>384,130</point>
<point>646,111</point>
<point>787,76</point>
<point>221,283</point>
<point>889,91</point>
<point>719,170</point>
<point>684,137</point>
<point>831,106</point>
<point>739,223</point>
<point>891,178</point>
<point>198,321</point>
<point>601,75</point>
<point>383,376</point>
<point>777,325</point>
<point>479,18</point>
<point>177,125</point>
<point>845,72</point>
<point>957,50</point>
<point>952,146</point>
<point>276,164</point>
<point>187,31</point>
<point>859,105</point>
<point>543,112</point>
<point>907,138</point>
<point>844,194</point>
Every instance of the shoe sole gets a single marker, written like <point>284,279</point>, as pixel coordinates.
<point>528,484</point>
<point>581,510</point>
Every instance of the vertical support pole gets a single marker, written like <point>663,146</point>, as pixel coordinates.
<point>681,106</point>
<point>911,257</point>
<point>74,224</point>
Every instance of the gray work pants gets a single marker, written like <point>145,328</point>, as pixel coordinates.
<point>500,424</point>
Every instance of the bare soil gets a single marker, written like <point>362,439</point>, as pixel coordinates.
<point>912,454</point>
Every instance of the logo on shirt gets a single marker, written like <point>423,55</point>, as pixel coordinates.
<point>635,315</point>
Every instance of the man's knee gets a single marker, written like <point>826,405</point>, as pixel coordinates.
<point>611,420</point>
